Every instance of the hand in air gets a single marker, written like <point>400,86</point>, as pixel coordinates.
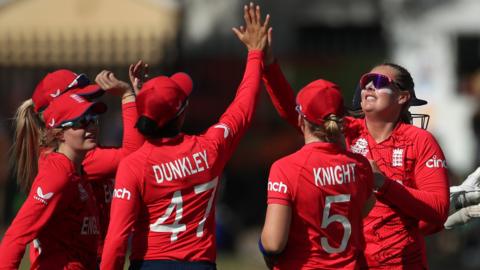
<point>255,33</point>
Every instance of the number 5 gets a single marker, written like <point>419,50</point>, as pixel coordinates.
<point>326,220</point>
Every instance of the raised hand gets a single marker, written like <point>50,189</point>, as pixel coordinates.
<point>108,82</point>
<point>269,58</point>
<point>138,73</point>
<point>255,33</point>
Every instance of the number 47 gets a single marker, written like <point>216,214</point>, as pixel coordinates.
<point>177,203</point>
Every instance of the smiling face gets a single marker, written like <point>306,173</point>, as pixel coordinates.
<point>79,139</point>
<point>388,100</point>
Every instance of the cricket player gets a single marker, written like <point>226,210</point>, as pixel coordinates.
<point>412,197</point>
<point>165,191</point>
<point>318,196</point>
<point>59,216</point>
<point>100,163</point>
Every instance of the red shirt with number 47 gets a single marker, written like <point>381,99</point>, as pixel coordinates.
<point>166,190</point>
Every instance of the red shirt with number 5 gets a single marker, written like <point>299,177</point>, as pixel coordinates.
<point>326,188</point>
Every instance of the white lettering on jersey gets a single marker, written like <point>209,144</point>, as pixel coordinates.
<point>121,193</point>
<point>397,157</point>
<point>108,190</point>
<point>435,162</point>
<point>360,147</point>
<point>277,187</point>
<point>182,167</point>
<point>42,197</point>
<point>89,226</point>
<point>336,175</point>
<point>83,193</point>
<point>77,98</point>
<point>226,129</point>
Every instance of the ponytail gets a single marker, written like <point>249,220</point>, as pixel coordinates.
<point>28,134</point>
<point>330,130</point>
<point>333,129</point>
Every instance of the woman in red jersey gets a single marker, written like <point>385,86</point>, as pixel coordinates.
<point>318,195</point>
<point>412,197</point>
<point>165,192</point>
<point>100,163</point>
<point>59,216</point>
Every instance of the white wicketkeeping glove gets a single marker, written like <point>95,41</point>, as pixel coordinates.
<point>462,216</point>
<point>467,193</point>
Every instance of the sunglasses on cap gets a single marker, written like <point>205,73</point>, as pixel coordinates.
<point>80,81</point>
<point>378,81</point>
<point>82,122</point>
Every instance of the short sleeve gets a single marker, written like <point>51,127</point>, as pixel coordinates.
<point>279,188</point>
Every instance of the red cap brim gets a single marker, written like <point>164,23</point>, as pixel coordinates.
<point>91,91</point>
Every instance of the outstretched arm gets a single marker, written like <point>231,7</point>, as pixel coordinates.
<point>278,88</point>
<point>238,116</point>
<point>101,163</point>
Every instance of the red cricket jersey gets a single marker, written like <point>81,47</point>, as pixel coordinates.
<point>326,188</point>
<point>416,190</point>
<point>100,166</point>
<point>59,216</point>
<point>414,199</point>
<point>166,190</point>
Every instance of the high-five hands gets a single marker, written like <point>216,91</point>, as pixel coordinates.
<point>108,82</point>
<point>255,33</point>
<point>138,73</point>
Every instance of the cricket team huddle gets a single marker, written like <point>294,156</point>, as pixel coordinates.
<point>362,193</point>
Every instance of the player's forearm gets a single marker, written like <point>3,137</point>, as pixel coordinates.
<point>240,112</point>
<point>12,253</point>
<point>431,206</point>
<point>113,256</point>
<point>281,93</point>
<point>132,139</point>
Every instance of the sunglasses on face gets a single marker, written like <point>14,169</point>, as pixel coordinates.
<point>378,81</point>
<point>82,122</point>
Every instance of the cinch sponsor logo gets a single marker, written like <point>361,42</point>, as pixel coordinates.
<point>121,193</point>
<point>89,226</point>
<point>435,162</point>
<point>277,187</point>
<point>42,197</point>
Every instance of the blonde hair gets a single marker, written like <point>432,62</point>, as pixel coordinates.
<point>30,136</point>
<point>330,131</point>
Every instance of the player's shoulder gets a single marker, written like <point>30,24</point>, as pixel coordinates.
<point>55,164</point>
<point>218,131</point>
<point>416,134</point>
<point>289,162</point>
<point>136,159</point>
<point>356,157</point>
<point>55,169</point>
